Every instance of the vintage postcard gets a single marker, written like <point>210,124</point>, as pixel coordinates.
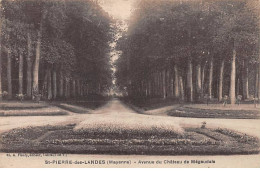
<point>129,83</point>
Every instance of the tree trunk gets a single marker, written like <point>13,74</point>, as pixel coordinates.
<point>54,77</point>
<point>9,74</point>
<point>169,90</point>
<point>238,86</point>
<point>45,85</point>
<point>210,78</point>
<point>1,91</point>
<point>164,83</point>
<point>176,82</point>
<point>36,65</point>
<point>29,78</point>
<point>145,88</point>
<point>61,85</point>
<point>156,84</point>
<point>150,88</point>
<point>259,78</point>
<point>78,87</point>
<point>198,82</point>
<point>81,89</point>
<point>259,49</point>
<point>181,88</point>
<point>29,67</point>
<point>172,87</point>
<point>168,85</point>
<point>74,88</point>
<point>20,73</point>
<point>87,89</point>
<point>152,85</point>
<point>232,92</point>
<point>256,81</point>
<point>159,84</point>
<point>171,84</point>
<point>189,82</point>
<point>49,85</point>
<point>203,80</point>
<point>69,88</point>
<point>245,80</point>
<point>66,88</point>
<point>221,76</point>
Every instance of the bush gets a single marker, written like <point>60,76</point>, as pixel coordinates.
<point>65,139</point>
<point>20,97</point>
<point>238,136</point>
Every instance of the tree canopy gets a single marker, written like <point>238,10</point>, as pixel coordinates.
<point>164,33</point>
<point>71,38</point>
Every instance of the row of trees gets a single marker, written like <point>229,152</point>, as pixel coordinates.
<point>187,49</point>
<point>54,48</point>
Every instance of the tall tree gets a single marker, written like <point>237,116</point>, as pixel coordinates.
<point>29,66</point>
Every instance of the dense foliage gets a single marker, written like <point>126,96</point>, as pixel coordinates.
<point>189,49</point>
<point>66,45</point>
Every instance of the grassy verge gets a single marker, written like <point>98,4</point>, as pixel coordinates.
<point>144,104</point>
<point>14,108</point>
<point>73,108</point>
<point>82,105</point>
<point>67,139</point>
<point>21,106</point>
<point>133,107</point>
<point>47,111</point>
<point>214,113</point>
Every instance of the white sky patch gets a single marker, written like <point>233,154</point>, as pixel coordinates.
<point>119,9</point>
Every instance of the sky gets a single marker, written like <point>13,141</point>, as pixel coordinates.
<point>119,9</point>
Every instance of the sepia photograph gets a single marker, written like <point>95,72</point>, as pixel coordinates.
<point>129,83</point>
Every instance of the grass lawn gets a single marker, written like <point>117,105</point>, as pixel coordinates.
<point>26,108</point>
<point>196,112</point>
<point>14,108</point>
<point>144,104</point>
<point>91,102</point>
<point>73,108</point>
<point>14,105</point>
<point>47,111</point>
<point>118,139</point>
<point>216,110</point>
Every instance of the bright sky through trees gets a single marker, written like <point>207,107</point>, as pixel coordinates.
<point>119,9</point>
